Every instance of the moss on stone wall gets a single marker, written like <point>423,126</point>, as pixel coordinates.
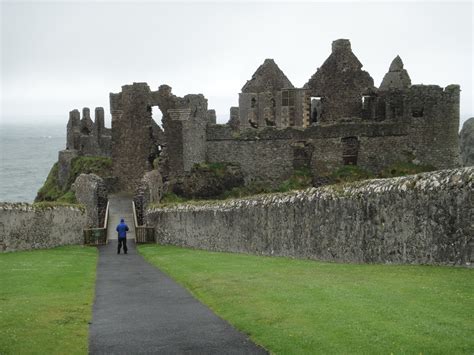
<point>52,191</point>
<point>404,168</point>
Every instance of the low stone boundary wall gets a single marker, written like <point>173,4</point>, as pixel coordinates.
<point>24,226</point>
<point>419,219</point>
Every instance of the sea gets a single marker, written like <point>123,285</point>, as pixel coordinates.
<point>27,153</point>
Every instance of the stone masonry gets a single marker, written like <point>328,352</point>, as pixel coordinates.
<point>24,226</point>
<point>418,219</point>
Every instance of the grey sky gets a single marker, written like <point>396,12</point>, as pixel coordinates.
<point>60,56</point>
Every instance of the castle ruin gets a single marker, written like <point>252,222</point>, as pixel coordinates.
<point>339,117</point>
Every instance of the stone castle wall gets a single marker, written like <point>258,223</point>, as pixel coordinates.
<point>434,124</point>
<point>420,125</point>
<point>24,226</point>
<point>419,219</point>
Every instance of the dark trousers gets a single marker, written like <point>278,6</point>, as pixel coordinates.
<point>122,241</point>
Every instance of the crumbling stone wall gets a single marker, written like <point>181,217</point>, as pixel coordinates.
<point>137,139</point>
<point>91,192</point>
<point>133,143</point>
<point>466,142</point>
<point>24,226</point>
<point>419,219</point>
<point>433,123</point>
<point>149,191</point>
<point>87,137</point>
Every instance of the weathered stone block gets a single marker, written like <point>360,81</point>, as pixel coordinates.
<point>91,191</point>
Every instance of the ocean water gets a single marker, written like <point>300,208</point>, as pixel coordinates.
<point>27,153</point>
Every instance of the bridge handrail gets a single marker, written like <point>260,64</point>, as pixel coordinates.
<point>143,233</point>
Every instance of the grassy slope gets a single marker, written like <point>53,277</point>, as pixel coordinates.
<point>51,191</point>
<point>302,306</point>
<point>46,300</point>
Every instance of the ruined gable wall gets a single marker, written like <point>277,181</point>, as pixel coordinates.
<point>340,82</point>
<point>419,219</point>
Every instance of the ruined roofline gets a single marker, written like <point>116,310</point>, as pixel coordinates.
<point>341,61</point>
<point>76,119</point>
<point>267,77</point>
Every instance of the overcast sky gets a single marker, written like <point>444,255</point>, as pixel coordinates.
<point>62,55</point>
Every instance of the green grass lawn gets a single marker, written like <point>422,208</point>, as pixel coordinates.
<point>46,300</point>
<point>301,306</point>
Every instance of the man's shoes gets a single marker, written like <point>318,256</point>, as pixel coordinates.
<point>118,252</point>
<point>125,253</point>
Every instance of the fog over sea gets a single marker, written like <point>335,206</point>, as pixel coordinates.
<point>27,153</point>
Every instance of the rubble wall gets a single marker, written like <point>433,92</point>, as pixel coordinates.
<point>418,219</point>
<point>24,226</point>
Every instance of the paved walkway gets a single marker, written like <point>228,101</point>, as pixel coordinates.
<point>139,310</point>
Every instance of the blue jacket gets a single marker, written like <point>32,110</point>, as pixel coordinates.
<point>122,230</point>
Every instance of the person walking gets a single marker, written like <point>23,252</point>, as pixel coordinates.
<point>122,230</point>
